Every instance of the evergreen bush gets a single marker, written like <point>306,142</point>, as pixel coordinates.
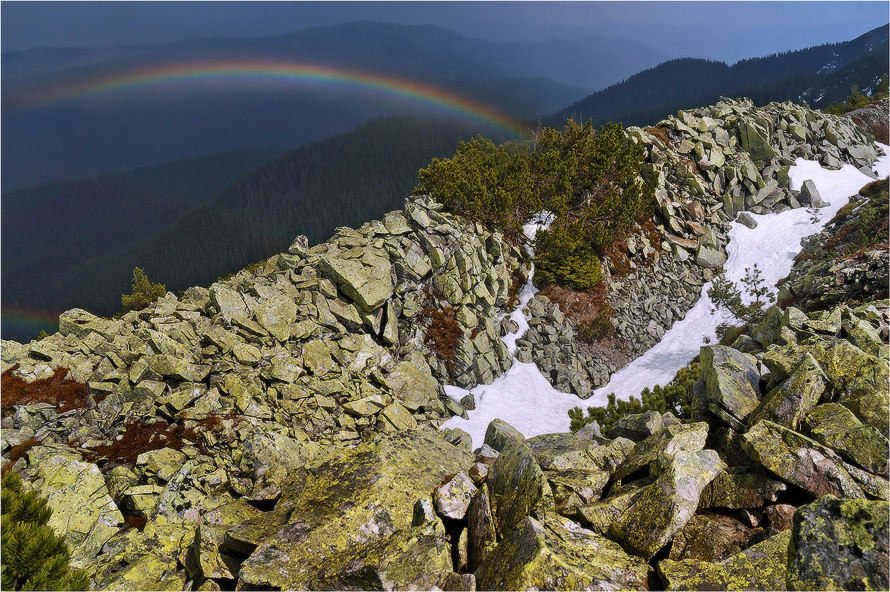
<point>675,397</point>
<point>33,556</point>
<point>144,292</point>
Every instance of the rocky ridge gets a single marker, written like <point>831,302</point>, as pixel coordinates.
<point>278,430</point>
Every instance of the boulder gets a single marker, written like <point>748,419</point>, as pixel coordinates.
<point>663,508</point>
<point>796,459</point>
<point>839,545</point>
<point>732,384</point>
<point>276,315</point>
<point>367,280</point>
<point>412,384</point>
<point>517,486</point>
<point>836,427</point>
<point>789,403</point>
<point>359,497</point>
<point>759,567</point>
<point>745,219</point>
<point>673,439</point>
<point>810,195</point>
<point>754,140</point>
<point>556,554</point>
<point>637,426</point>
<point>453,497</point>
<point>736,488</point>
<point>710,258</point>
<point>712,537</point>
<point>481,528</point>
<point>228,302</point>
<point>82,509</point>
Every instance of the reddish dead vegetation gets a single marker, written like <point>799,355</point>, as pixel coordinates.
<point>590,309</point>
<point>17,452</point>
<point>444,334</point>
<point>140,436</point>
<point>56,390</point>
<point>660,133</point>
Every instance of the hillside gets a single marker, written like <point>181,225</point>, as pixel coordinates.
<point>822,75</point>
<point>193,221</point>
<point>294,426</point>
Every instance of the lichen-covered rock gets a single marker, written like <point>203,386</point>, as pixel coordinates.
<point>453,497</point>
<point>178,368</point>
<point>789,403</point>
<point>796,459</point>
<point>665,506</point>
<point>759,567</point>
<point>414,558</point>
<point>276,315</point>
<point>561,452</point>
<point>573,488</point>
<point>732,384</point>
<point>499,434</point>
<point>361,496</point>
<point>83,512</point>
<point>637,426</point>
<point>839,545</point>
<point>740,487</point>
<point>836,427</point>
<point>559,555</point>
<point>712,537</point>
<point>412,384</point>
<point>481,529</point>
<point>367,280</point>
<point>518,486</point>
<point>673,439</point>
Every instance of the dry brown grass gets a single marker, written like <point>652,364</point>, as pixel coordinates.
<point>56,390</point>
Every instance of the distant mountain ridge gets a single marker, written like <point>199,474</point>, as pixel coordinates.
<point>812,74</point>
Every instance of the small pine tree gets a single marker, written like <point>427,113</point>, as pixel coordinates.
<point>144,292</point>
<point>33,556</point>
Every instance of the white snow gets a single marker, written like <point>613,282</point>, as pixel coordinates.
<point>522,396</point>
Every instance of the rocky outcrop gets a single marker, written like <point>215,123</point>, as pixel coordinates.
<point>711,165</point>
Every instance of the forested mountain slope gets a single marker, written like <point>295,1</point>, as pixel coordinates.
<point>822,75</point>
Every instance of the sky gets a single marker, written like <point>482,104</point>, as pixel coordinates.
<point>726,31</point>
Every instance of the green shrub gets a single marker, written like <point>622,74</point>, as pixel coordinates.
<point>144,292</point>
<point>564,257</point>
<point>675,397</point>
<point>33,557</point>
<point>589,180</point>
<point>484,182</point>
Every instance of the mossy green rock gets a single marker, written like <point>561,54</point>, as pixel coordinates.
<point>796,459</point>
<point>276,315</point>
<point>797,395</point>
<point>759,567</point>
<point>839,545</point>
<point>178,368</point>
<point>414,558</point>
<point>561,452</point>
<point>558,555</point>
<point>573,488</point>
<point>835,426</point>
<point>499,434</point>
<point>412,384</point>
<point>731,383</point>
<point>360,497</point>
<point>872,407</point>
<point>712,537</point>
<point>665,506</point>
<point>755,141</point>
<point>229,302</point>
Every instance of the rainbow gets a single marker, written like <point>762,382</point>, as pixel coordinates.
<point>233,71</point>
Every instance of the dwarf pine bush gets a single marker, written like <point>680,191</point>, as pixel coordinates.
<point>33,556</point>
<point>144,292</point>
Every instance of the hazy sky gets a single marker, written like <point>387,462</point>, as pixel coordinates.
<point>720,30</point>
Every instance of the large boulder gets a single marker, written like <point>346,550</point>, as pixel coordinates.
<point>367,280</point>
<point>759,567</point>
<point>558,555</point>
<point>661,509</point>
<point>362,496</point>
<point>799,460</point>
<point>83,510</point>
<point>789,403</point>
<point>839,545</point>
<point>732,384</point>
<point>836,427</point>
<point>518,486</point>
